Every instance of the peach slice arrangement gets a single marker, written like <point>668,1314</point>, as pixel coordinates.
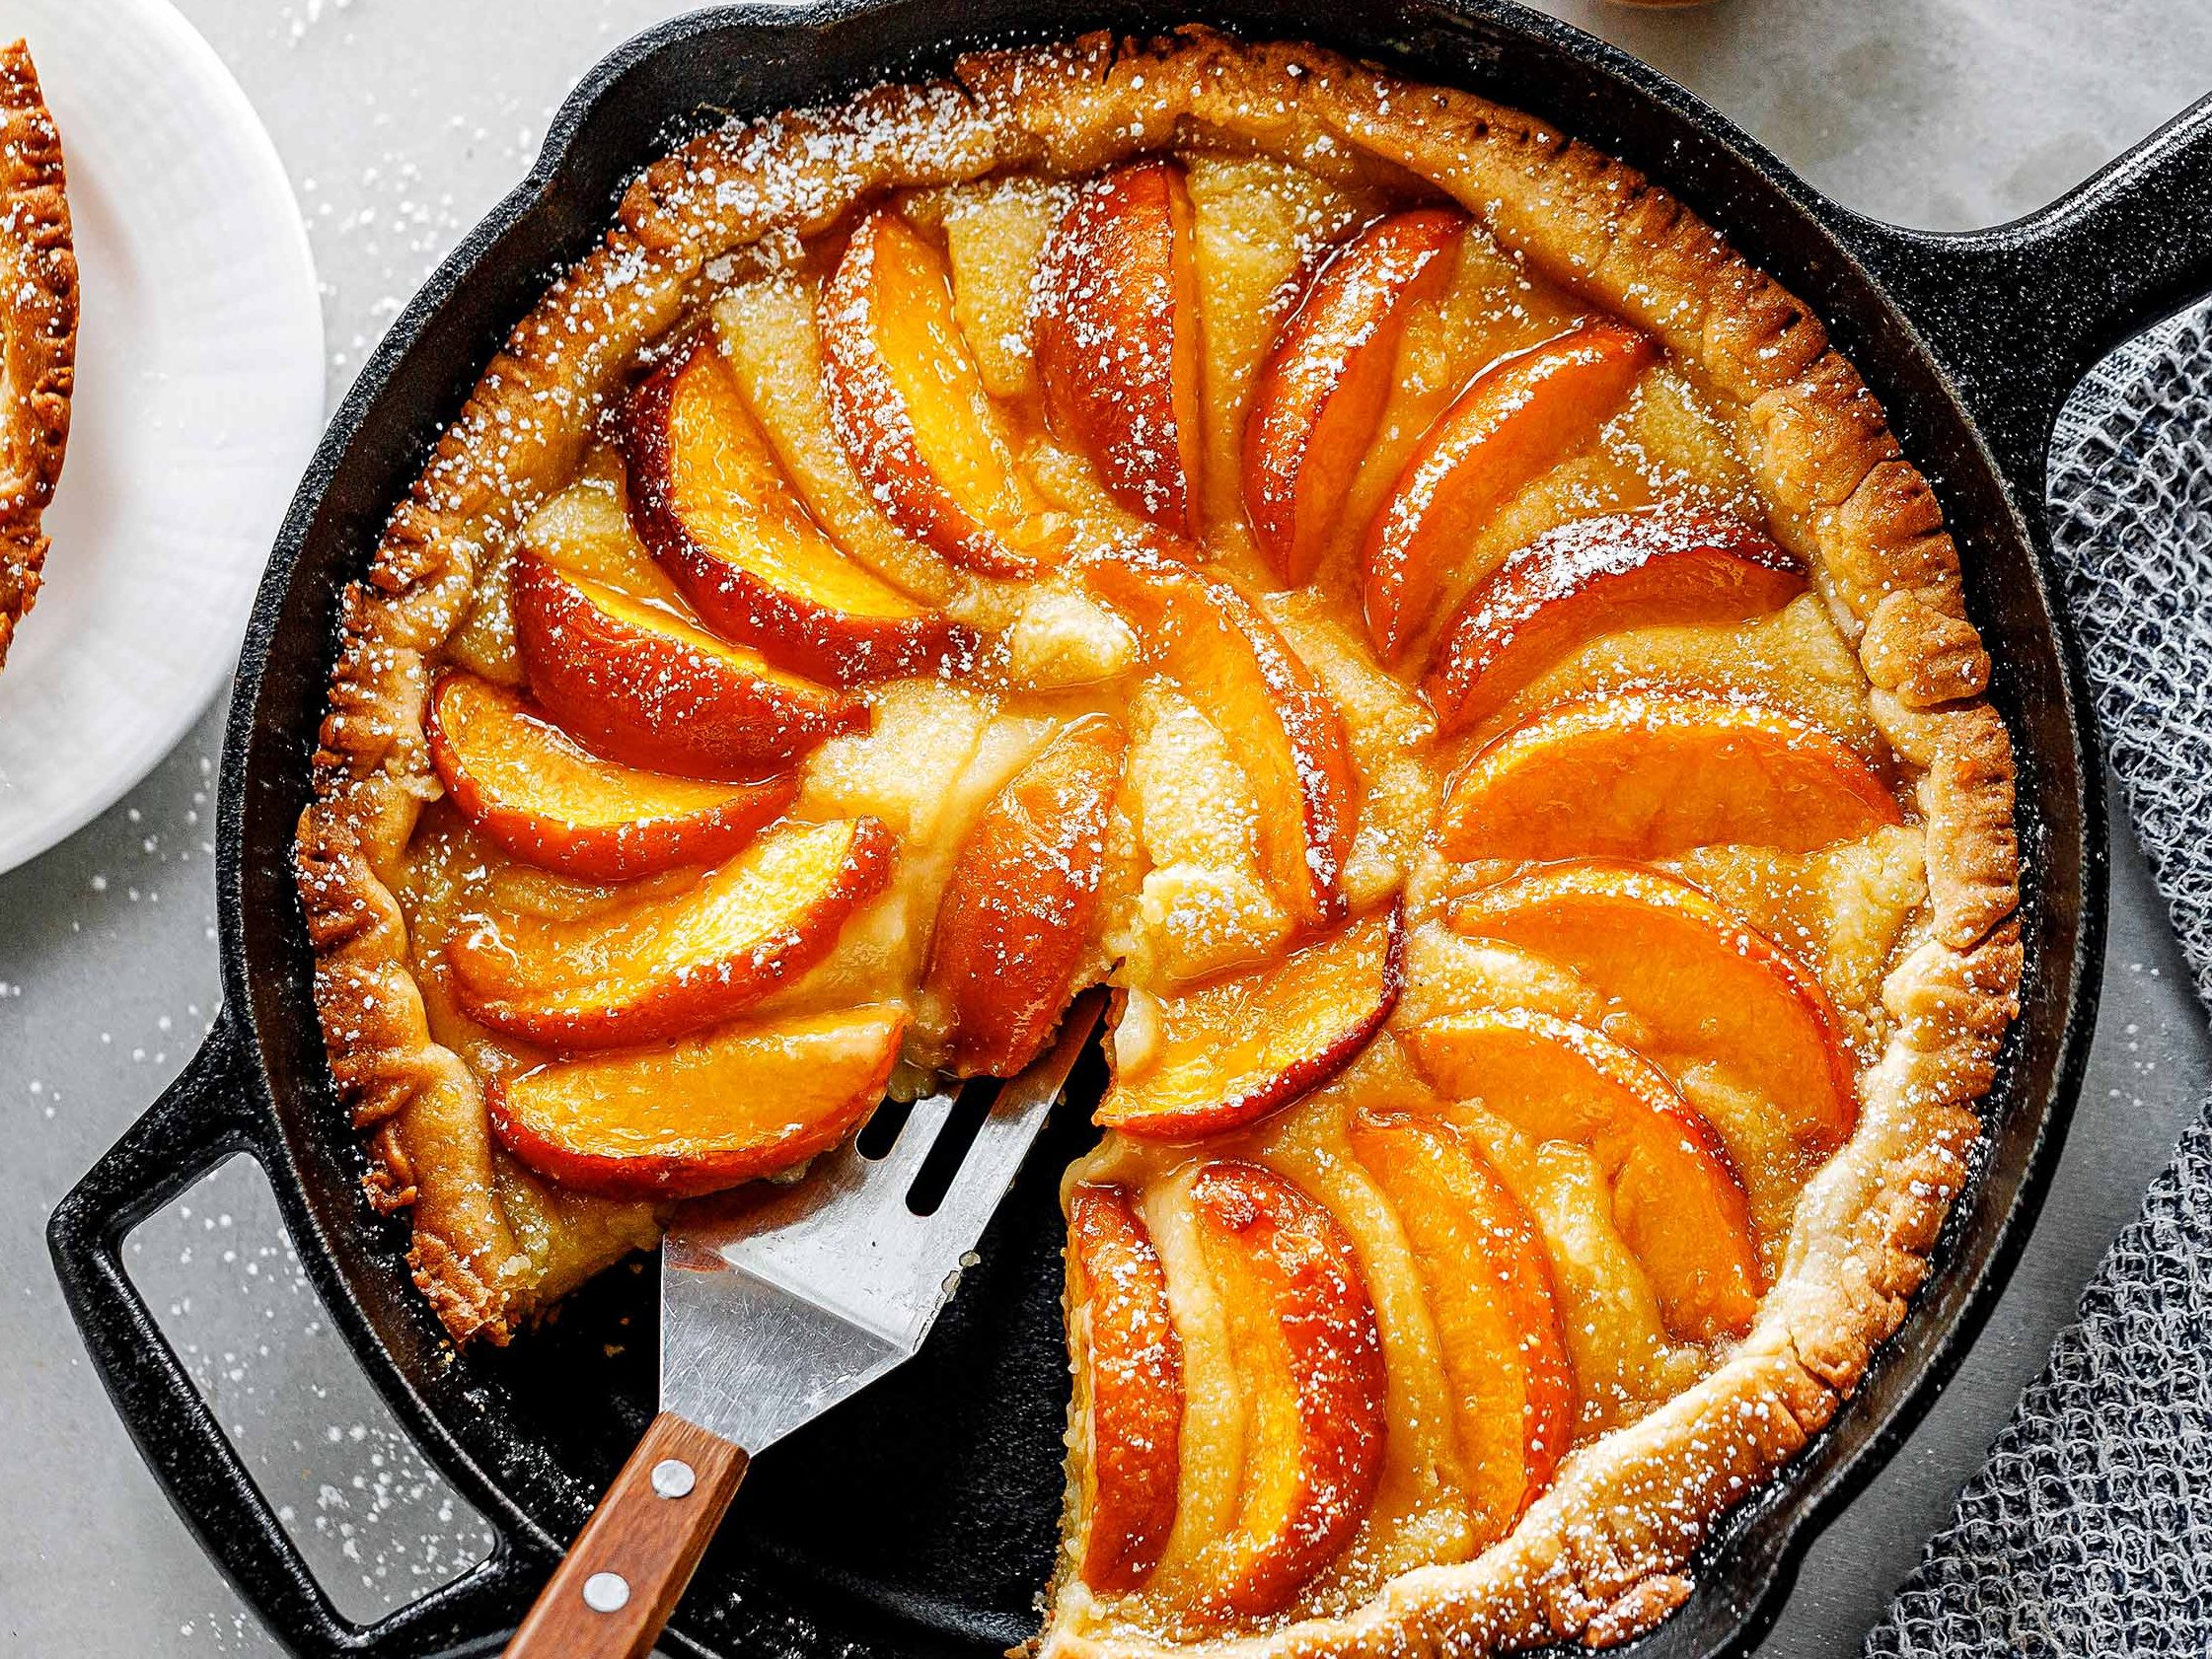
<point>1490,1138</point>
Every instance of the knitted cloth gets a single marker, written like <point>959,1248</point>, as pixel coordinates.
<point>2088,1531</point>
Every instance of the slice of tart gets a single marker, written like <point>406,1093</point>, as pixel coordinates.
<point>1376,584</point>
<point>38,330</point>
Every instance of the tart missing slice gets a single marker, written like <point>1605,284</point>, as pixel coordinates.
<point>1383,589</point>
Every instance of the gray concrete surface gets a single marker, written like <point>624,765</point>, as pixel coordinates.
<point>400,120</point>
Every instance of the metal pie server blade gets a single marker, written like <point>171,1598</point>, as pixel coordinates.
<point>778,1301</point>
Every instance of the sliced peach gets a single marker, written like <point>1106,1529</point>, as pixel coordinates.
<point>1117,339</point>
<point>550,802</point>
<point>1653,775</point>
<point>708,498</point>
<point>1595,576</point>
<point>909,403</point>
<point>671,963</point>
<point>1310,1357</point>
<point>1703,983</point>
<point>1238,1047</point>
<point>730,1106</point>
<point>1321,392</point>
<point>1616,1334</point>
<point>643,686</point>
<point>1235,666</point>
<point>1675,1196</point>
<point>1490,1291</point>
<point>1515,420</point>
<point>1130,1389</point>
<point>1016,918</point>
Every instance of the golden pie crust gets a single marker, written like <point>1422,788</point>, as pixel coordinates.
<point>38,330</point>
<point>1601,1556</point>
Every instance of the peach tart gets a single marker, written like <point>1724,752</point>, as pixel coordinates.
<point>1378,585</point>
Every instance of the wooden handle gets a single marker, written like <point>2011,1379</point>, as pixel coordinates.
<point>615,1590</point>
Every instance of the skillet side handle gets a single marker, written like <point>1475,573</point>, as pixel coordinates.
<point>2019,313</point>
<point>206,1117</point>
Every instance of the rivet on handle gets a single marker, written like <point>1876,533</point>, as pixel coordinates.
<point>606,1592</point>
<point>672,1477</point>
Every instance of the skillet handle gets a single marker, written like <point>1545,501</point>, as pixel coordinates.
<point>208,1116</point>
<point>2019,313</point>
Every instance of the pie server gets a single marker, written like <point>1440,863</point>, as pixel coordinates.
<point>778,1301</point>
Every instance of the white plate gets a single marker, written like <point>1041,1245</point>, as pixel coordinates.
<point>199,395</point>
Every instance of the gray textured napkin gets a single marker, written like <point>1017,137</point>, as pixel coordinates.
<point>2088,1531</point>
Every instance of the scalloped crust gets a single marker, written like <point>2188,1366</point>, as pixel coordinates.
<point>38,330</point>
<point>1601,1557</point>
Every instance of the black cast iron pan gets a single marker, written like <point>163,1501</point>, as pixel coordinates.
<point>919,1518</point>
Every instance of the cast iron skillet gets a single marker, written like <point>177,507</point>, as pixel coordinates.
<point>919,1518</point>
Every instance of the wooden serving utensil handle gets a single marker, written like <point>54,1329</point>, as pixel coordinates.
<point>615,1588</point>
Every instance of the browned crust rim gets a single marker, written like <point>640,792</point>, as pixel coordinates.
<point>1601,1557</point>
<point>38,330</point>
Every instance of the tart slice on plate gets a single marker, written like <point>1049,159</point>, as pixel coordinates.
<point>1374,582</point>
<point>38,330</point>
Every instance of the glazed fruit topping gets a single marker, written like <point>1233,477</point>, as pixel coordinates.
<point>1311,1358</point>
<point>1655,774</point>
<point>1595,576</point>
<point>728,1106</point>
<point>1117,339</point>
<point>1235,664</point>
<point>1016,918</point>
<point>671,962</point>
<point>1515,420</point>
<point>530,786</point>
<point>1322,389</point>
<point>1235,1049</point>
<point>643,686</point>
<point>1130,1361</point>
<point>910,403</point>
<point>708,497</point>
